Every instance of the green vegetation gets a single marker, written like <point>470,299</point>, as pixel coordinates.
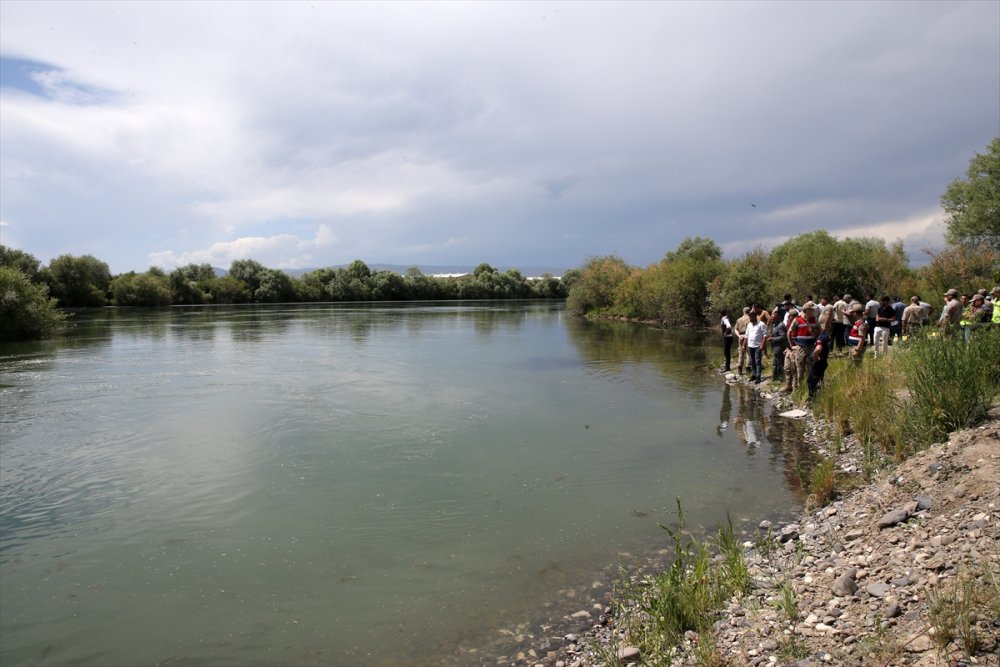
<point>26,310</point>
<point>973,203</point>
<point>689,285</point>
<point>86,282</point>
<point>657,612</point>
<point>929,387</point>
<point>964,610</point>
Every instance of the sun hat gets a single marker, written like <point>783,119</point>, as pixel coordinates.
<point>809,305</point>
<point>951,292</point>
<point>856,307</point>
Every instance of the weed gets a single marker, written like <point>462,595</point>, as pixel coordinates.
<point>823,484</point>
<point>792,648</point>
<point>955,611</point>
<point>788,602</point>
<point>685,596</point>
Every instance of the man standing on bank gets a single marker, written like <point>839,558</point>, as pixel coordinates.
<point>727,338</point>
<point>756,334</point>
<point>802,332</point>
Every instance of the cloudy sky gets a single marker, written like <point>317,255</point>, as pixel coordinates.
<point>313,133</point>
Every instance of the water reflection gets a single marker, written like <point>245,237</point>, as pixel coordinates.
<point>397,476</point>
<point>680,355</point>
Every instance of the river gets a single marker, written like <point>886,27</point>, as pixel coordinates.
<point>339,484</point>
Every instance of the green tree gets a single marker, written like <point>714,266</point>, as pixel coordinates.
<point>963,267</point>
<point>314,285</point>
<point>745,281</point>
<point>972,204</point>
<point>228,290</point>
<point>26,310</point>
<point>248,272</point>
<point>191,283</point>
<point>387,286</point>
<point>78,282</point>
<point>358,270</point>
<point>20,260</point>
<point>483,268</point>
<point>273,286</point>
<point>697,248</point>
<point>141,289</point>
<point>596,287</point>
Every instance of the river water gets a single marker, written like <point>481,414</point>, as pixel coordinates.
<point>349,484</point>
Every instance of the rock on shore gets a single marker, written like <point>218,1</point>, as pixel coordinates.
<point>865,572</point>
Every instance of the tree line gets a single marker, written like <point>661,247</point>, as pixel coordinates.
<point>32,295</point>
<point>692,282</point>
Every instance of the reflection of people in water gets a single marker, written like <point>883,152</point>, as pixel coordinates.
<point>725,414</point>
<point>750,421</point>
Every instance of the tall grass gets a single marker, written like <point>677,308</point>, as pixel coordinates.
<point>686,595</point>
<point>865,400</point>
<point>952,382</point>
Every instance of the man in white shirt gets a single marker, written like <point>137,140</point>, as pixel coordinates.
<point>755,335</point>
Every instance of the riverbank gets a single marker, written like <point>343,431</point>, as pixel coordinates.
<point>902,570</point>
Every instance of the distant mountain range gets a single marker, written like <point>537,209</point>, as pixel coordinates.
<point>527,271</point>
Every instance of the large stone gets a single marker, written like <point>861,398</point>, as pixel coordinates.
<point>924,502</point>
<point>877,590</point>
<point>890,519</point>
<point>627,653</point>
<point>789,533</point>
<point>844,586</point>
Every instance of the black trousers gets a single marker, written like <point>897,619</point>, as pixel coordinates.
<point>837,334</point>
<point>816,378</point>
<point>727,348</point>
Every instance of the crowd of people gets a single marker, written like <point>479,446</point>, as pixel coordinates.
<point>801,338</point>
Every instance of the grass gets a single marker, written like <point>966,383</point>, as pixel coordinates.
<point>685,597</point>
<point>788,602</point>
<point>963,611</point>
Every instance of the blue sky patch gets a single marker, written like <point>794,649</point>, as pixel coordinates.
<point>47,81</point>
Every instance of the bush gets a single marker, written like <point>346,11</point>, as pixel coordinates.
<point>952,383</point>
<point>143,289</point>
<point>595,289</point>
<point>26,310</point>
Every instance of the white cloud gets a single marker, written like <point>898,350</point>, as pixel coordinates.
<point>283,251</point>
<point>556,130</point>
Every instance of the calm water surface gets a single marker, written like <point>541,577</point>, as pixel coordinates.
<point>348,485</point>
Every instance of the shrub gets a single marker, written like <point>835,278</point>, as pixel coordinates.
<point>952,383</point>
<point>26,310</point>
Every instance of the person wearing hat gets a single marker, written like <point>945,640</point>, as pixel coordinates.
<point>857,335</point>
<point>802,333</point>
<point>913,317</point>
<point>976,316</point>
<point>884,317</point>
<point>951,314</point>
